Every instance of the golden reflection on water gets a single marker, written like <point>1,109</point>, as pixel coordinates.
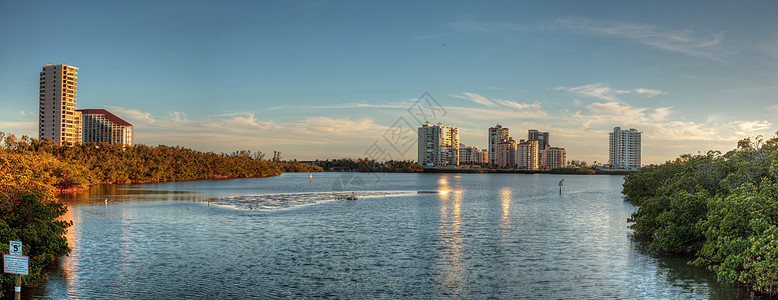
<point>70,264</point>
<point>451,263</point>
<point>506,197</point>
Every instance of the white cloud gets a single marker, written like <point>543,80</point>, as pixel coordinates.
<point>686,42</point>
<point>750,128</point>
<point>476,99</point>
<point>601,90</point>
<point>657,126</point>
<point>179,116</point>
<point>26,116</point>
<point>131,115</point>
<point>535,108</point>
<point>661,114</point>
<point>647,92</point>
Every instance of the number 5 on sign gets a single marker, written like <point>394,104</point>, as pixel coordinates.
<point>16,248</point>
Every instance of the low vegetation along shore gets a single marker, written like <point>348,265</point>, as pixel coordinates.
<point>722,209</point>
<point>32,172</point>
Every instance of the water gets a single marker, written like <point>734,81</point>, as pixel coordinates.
<point>473,236</point>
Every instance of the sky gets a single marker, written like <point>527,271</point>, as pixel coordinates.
<point>332,79</point>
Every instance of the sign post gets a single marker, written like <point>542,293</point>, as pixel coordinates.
<point>560,185</point>
<point>16,263</point>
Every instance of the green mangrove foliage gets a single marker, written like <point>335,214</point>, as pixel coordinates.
<point>29,212</point>
<point>77,166</point>
<point>721,208</point>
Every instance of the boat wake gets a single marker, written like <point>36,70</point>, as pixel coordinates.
<point>270,202</point>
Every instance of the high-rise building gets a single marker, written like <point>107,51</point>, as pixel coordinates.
<point>438,145</point>
<point>506,154</point>
<point>553,158</point>
<point>497,135</point>
<point>58,119</point>
<point>541,137</point>
<point>527,155</point>
<point>469,155</point>
<point>101,126</point>
<point>483,156</point>
<point>624,149</point>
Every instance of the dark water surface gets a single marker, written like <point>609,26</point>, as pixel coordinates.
<point>473,236</point>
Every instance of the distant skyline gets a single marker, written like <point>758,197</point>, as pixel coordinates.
<point>321,79</point>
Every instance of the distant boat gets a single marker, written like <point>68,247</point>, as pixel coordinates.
<point>352,197</point>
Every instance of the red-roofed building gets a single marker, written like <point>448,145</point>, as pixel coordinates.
<point>101,126</point>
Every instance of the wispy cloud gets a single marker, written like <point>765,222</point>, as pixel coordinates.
<point>534,110</point>
<point>475,98</point>
<point>749,128</point>
<point>656,124</point>
<point>26,116</point>
<point>685,41</point>
<point>601,90</point>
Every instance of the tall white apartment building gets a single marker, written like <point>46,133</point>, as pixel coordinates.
<point>624,149</point>
<point>553,158</point>
<point>438,145</point>
<point>101,126</point>
<point>58,119</point>
<point>527,155</point>
<point>497,135</point>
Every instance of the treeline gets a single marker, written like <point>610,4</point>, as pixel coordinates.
<point>370,165</point>
<point>723,209</point>
<point>77,166</point>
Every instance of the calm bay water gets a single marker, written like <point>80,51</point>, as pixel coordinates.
<point>472,236</point>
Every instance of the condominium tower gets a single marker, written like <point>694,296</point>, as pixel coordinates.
<point>624,149</point>
<point>497,135</point>
<point>506,154</point>
<point>527,155</point>
<point>541,137</point>
<point>58,119</point>
<point>553,158</point>
<point>438,145</point>
<point>101,126</point>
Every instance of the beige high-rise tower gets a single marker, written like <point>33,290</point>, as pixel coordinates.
<point>58,118</point>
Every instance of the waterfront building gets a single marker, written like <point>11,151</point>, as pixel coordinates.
<point>101,126</point>
<point>497,135</point>
<point>506,154</point>
<point>482,156</point>
<point>553,158</point>
<point>438,145</point>
<point>541,137</point>
<point>58,119</point>
<point>469,155</point>
<point>527,155</point>
<point>625,149</point>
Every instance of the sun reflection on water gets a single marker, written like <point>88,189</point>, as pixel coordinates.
<point>506,196</point>
<point>451,263</point>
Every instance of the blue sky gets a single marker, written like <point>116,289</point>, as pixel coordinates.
<point>321,79</point>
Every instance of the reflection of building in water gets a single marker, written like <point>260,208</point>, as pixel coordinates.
<point>71,263</point>
<point>451,262</point>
